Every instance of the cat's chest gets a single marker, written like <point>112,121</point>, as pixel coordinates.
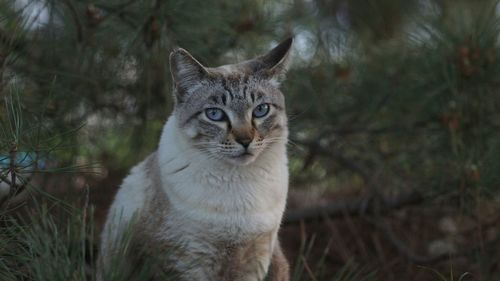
<point>227,204</point>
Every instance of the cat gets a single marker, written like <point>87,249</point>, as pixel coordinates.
<point>210,200</point>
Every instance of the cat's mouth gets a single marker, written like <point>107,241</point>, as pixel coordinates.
<point>243,158</point>
<point>243,155</point>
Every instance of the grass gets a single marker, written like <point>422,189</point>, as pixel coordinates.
<point>50,241</point>
<point>38,245</point>
<point>442,277</point>
<point>303,270</point>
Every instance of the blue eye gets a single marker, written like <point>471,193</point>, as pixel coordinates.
<point>215,114</point>
<point>261,110</point>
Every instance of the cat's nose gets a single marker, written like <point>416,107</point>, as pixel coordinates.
<point>243,135</point>
<point>244,141</point>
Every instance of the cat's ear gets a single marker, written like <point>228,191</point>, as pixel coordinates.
<point>275,63</point>
<point>187,72</point>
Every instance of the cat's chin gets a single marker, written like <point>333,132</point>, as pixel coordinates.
<point>241,160</point>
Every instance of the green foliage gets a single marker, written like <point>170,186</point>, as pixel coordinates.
<point>419,109</point>
<point>411,99</point>
<point>110,58</point>
<point>58,243</point>
<point>383,96</point>
<point>39,248</point>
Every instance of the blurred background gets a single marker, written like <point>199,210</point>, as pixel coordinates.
<point>394,116</point>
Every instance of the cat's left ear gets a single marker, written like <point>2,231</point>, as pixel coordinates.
<point>187,72</point>
<point>275,63</point>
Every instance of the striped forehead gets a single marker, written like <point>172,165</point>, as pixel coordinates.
<point>237,92</point>
<point>234,90</point>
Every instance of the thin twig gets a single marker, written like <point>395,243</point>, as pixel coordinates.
<point>316,147</point>
<point>352,207</point>
<point>5,179</point>
<point>77,20</point>
<point>308,269</point>
<point>86,203</point>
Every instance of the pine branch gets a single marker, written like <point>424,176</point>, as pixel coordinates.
<point>8,40</point>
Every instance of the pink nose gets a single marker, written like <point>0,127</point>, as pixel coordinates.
<point>244,141</point>
<point>244,136</point>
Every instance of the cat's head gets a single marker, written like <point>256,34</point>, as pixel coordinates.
<point>232,112</point>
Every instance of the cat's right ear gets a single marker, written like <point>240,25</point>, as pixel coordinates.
<point>187,72</point>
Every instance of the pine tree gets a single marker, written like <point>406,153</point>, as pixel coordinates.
<point>397,100</point>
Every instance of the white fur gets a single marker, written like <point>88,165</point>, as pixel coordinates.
<point>209,196</point>
<point>129,201</point>
<point>233,200</point>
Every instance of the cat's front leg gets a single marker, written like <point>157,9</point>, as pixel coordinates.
<point>279,269</point>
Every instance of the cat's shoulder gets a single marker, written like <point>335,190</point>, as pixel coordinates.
<point>137,187</point>
<point>142,175</point>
